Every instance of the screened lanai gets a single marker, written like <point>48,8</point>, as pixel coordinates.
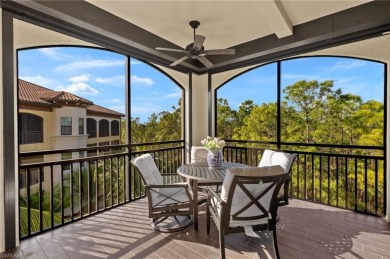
<point>339,188</point>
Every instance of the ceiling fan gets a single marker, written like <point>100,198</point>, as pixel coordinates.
<point>196,49</point>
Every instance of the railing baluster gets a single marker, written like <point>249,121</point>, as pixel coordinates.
<point>298,180</point>
<point>62,194</point>
<point>96,185</point>
<point>80,190</point>
<point>111,189</point>
<point>312,178</point>
<point>329,180</point>
<point>320,178</point>
<point>365,185</point>
<point>51,197</point>
<point>104,183</point>
<point>40,172</point>
<point>88,172</point>
<point>305,175</point>
<point>71,190</point>
<point>356,184</point>
<point>337,181</point>
<point>376,186</point>
<point>117,181</point>
<point>346,182</point>
<point>28,180</point>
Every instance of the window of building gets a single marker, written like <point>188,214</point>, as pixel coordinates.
<point>91,128</point>
<point>30,128</point>
<point>81,126</point>
<point>115,128</point>
<point>115,142</point>
<point>104,128</point>
<point>66,126</point>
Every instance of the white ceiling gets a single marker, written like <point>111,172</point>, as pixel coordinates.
<point>224,23</point>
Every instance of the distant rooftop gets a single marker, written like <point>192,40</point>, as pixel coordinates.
<point>33,94</point>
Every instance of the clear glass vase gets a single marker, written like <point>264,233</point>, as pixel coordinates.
<point>215,158</point>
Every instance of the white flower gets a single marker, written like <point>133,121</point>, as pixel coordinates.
<point>213,143</point>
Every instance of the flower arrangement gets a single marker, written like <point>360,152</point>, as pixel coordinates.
<point>213,143</point>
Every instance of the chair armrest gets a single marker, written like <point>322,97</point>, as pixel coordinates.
<point>213,194</point>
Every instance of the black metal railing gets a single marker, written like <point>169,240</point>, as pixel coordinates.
<point>349,177</point>
<point>94,179</point>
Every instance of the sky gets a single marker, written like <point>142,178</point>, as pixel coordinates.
<point>99,76</point>
<point>355,76</point>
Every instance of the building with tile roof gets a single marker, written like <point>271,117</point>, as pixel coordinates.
<point>51,119</point>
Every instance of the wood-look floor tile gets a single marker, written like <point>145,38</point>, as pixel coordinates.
<point>305,230</point>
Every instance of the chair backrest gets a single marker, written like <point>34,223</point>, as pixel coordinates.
<point>284,159</point>
<point>251,195</point>
<point>148,169</point>
<point>198,154</point>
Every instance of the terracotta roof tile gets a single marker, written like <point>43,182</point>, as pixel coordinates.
<point>30,92</point>
<point>99,109</point>
<point>27,92</point>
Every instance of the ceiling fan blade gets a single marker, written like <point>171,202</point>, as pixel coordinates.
<point>205,61</point>
<point>198,43</point>
<point>178,61</point>
<point>219,52</point>
<point>168,49</point>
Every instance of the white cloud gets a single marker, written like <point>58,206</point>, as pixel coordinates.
<point>79,79</point>
<point>79,88</point>
<point>135,62</point>
<point>298,76</point>
<point>52,53</point>
<point>116,100</point>
<point>345,65</point>
<point>113,80</point>
<point>141,80</point>
<point>90,64</point>
<point>39,80</point>
<point>176,94</point>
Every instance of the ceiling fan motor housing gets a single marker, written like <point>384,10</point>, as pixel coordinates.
<point>193,52</point>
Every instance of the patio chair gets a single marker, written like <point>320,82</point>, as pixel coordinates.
<point>199,155</point>
<point>167,203</point>
<point>285,160</point>
<point>247,202</point>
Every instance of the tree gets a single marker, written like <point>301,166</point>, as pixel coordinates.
<point>226,119</point>
<point>308,99</point>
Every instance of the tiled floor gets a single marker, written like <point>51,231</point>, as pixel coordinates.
<point>306,230</point>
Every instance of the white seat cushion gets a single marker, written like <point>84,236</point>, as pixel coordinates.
<point>198,154</point>
<point>147,167</point>
<point>271,158</point>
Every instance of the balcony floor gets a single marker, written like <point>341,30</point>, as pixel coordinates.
<point>306,230</point>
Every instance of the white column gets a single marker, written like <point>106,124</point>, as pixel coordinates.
<point>199,108</point>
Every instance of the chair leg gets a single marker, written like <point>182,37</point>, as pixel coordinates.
<point>208,219</point>
<point>222,243</point>
<point>275,243</point>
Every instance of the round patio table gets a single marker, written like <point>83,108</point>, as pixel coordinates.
<point>202,172</point>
